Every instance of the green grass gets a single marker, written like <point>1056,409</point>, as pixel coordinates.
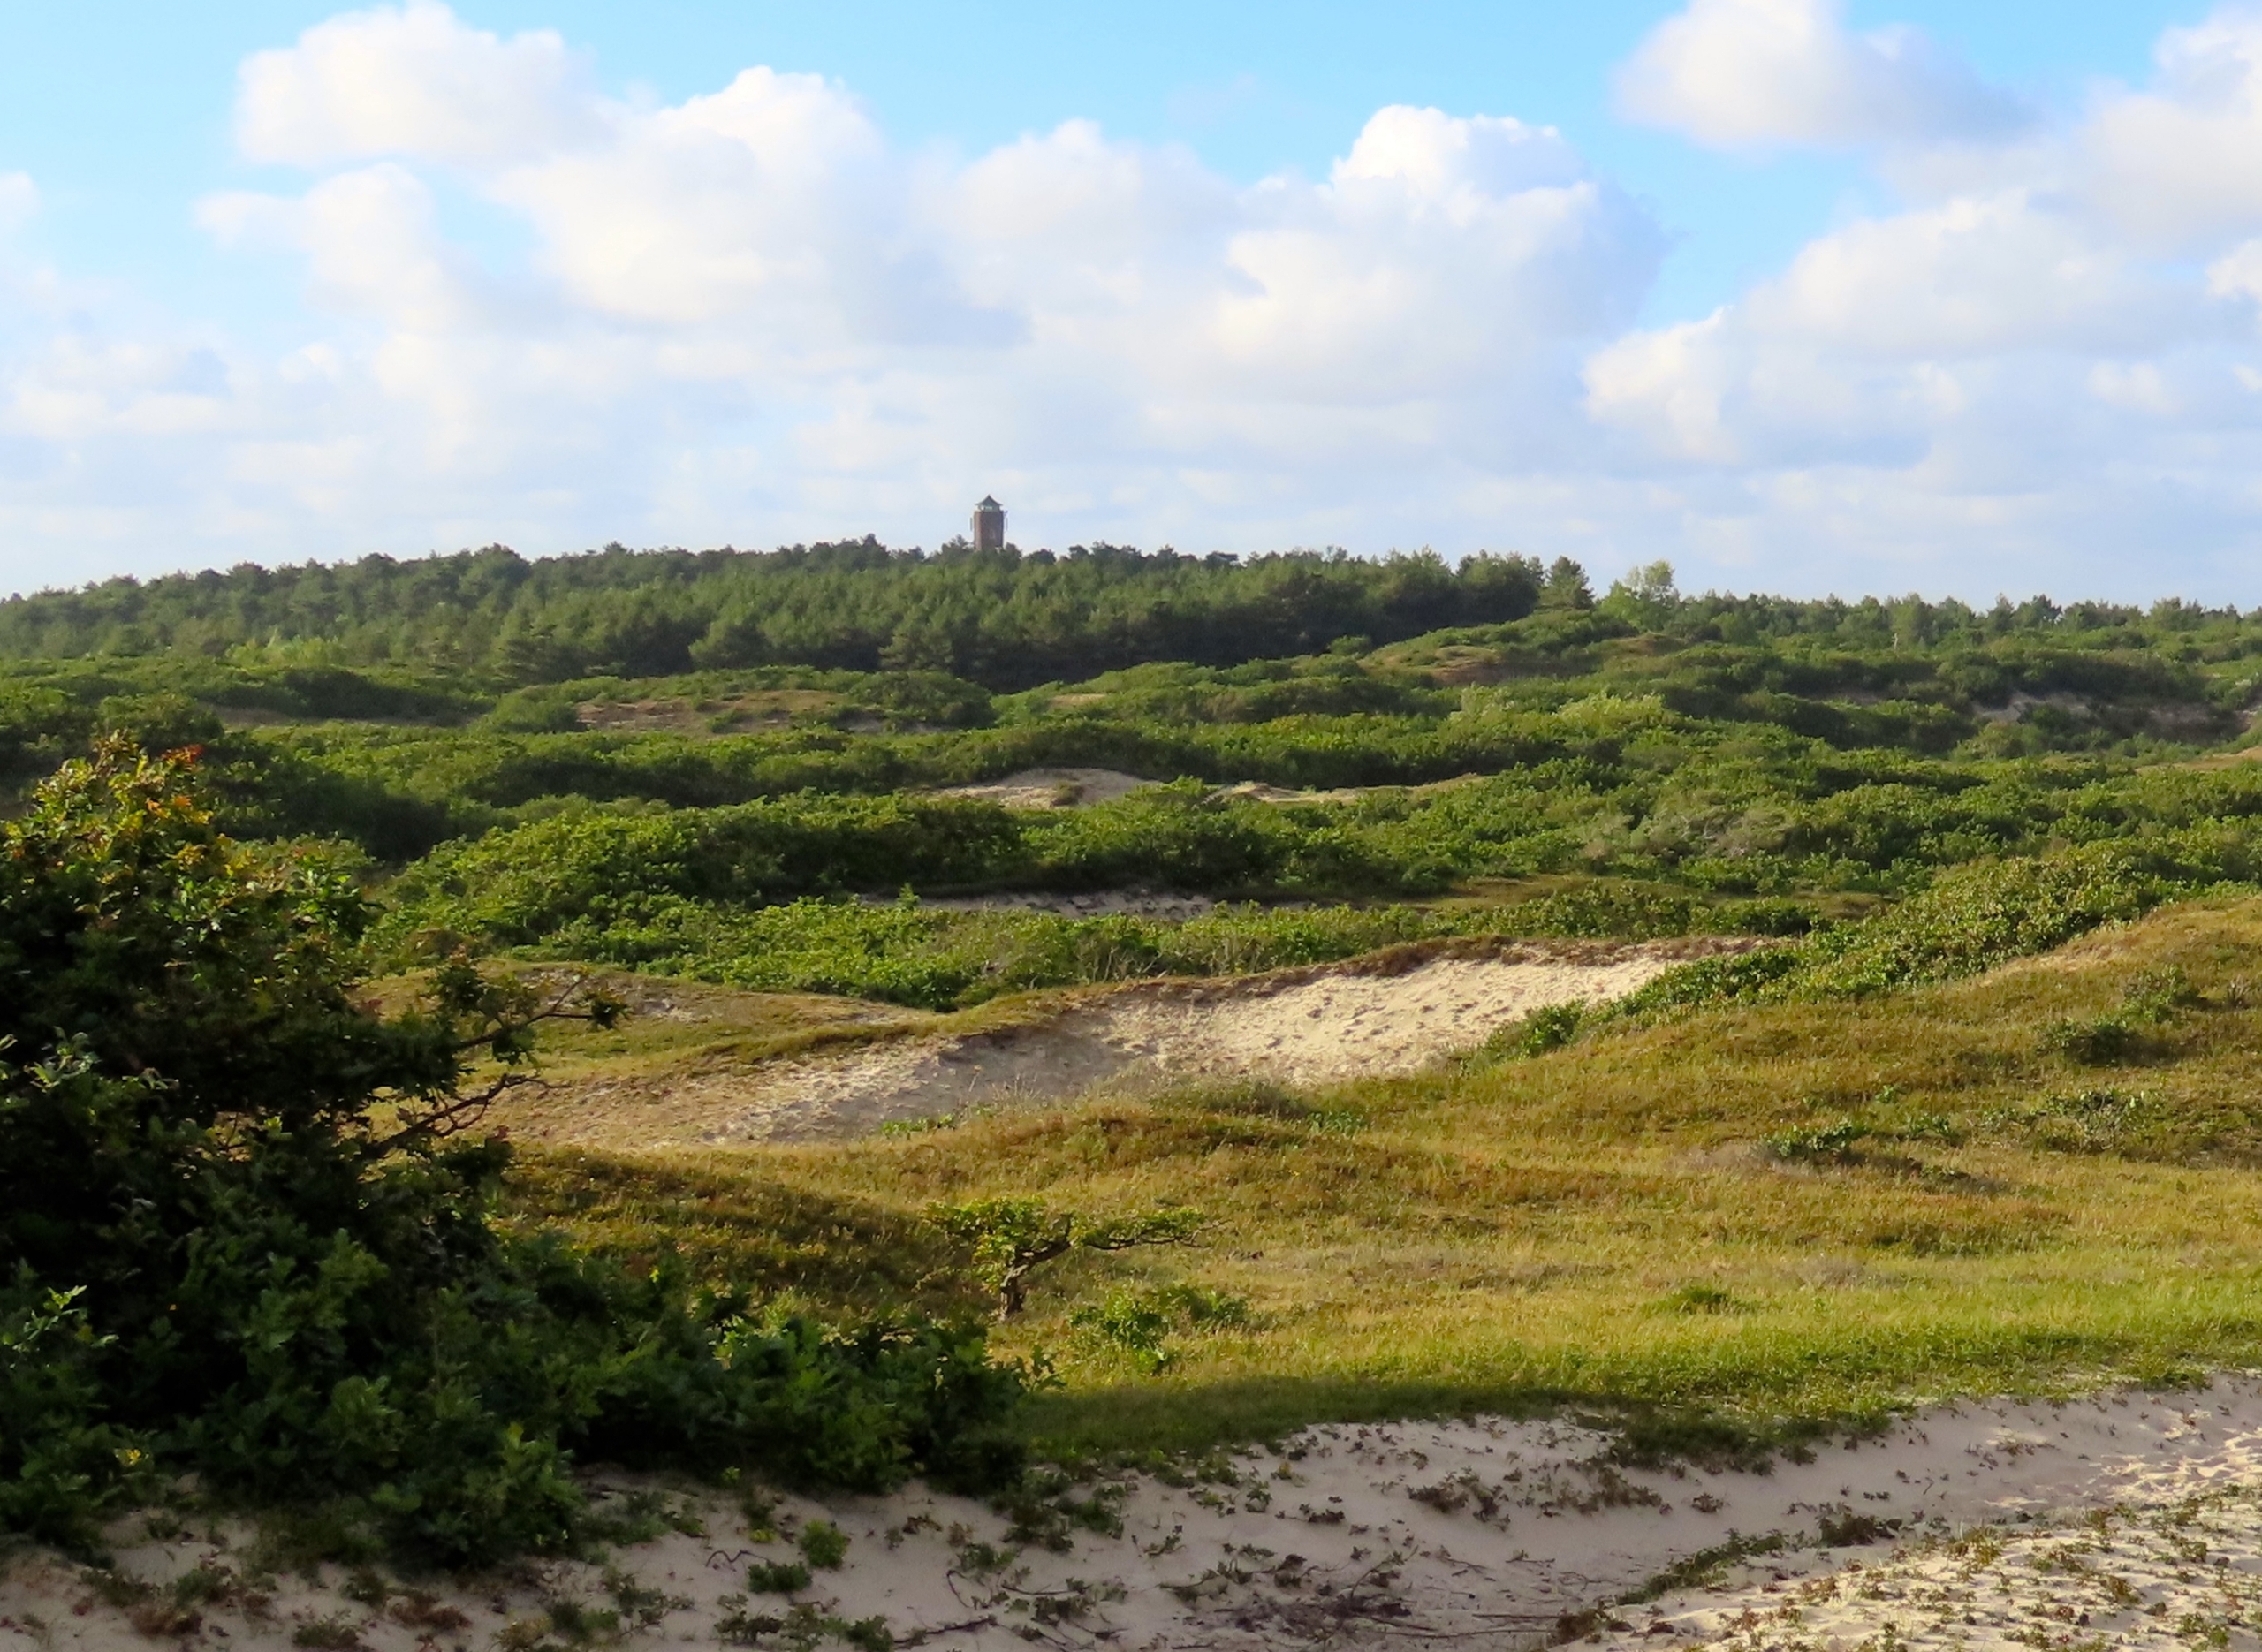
<point>1527,1235</point>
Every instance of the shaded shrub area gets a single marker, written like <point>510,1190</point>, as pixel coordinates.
<point>246,1227</point>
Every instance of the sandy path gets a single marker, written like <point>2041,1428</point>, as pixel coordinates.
<point>1392,1013</point>
<point>1487,1533</point>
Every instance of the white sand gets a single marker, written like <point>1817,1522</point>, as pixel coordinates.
<point>1052,788</point>
<point>1395,1012</point>
<point>1258,791</point>
<point>1482,1533</point>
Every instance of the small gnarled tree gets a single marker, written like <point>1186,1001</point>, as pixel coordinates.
<point>1010,1238</point>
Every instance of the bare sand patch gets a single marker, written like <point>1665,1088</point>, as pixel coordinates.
<point>1485,1532</point>
<point>1052,788</point>
<point>1393,1012</point>
<point>1258,791</point>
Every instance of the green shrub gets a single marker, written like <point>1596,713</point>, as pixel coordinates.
<point>1824,1144</point>
<point>1700,1298</point>
<point>1746,976</point>
<point>1973,919</point>
<point>2099,1041</point>
<point>824,1545</point>
<point>1550,1027</point>
<point>2090,1121</point>
<point>776,1577</point>
<point>248,1237</point>
<point>1977,917</point>
<point>1138,1322</point>
<point>61,1466</point>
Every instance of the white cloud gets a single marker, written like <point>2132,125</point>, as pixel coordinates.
<point>1668,386</point>
<point>412,81</point>
<point>774,197</point>
<point>2182,163</point>
<point>1896,332</point>
<point>1743,73</point>
<point>18,200</point>
<point>1974,275</point>
<point>2238,272</point>
<point>372,244</point>
<point>746,315</point>
<point>539,314</point>
<point>2044,355</point>
<point>762,254</point>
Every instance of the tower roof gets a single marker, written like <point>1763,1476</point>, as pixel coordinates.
<point>988,503</point>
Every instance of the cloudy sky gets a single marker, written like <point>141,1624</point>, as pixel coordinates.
<point>1803,295</point>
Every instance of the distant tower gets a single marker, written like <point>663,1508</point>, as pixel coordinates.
<point>989,525</point>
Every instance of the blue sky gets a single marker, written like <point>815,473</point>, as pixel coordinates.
<point>123,111</point>
<point>1952,340</point>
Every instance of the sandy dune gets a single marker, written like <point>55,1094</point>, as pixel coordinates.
<point>1486,1533</point>
<point>1052,788</point>
<point>1394,1013</point>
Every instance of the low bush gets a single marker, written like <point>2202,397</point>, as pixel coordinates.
<point>2104,1120</point>
<point>1009,1239</point>
<point>2099,1041</point>
<point>1139,1321</point>
<point>1822,1144</point>
<point>824,1545</point>
<point>1548,1027</point>
<point>1973,919</point>
<point>776,1577</point>
<point>245,1222</point>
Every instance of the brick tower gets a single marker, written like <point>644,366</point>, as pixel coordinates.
<point>989,525</point>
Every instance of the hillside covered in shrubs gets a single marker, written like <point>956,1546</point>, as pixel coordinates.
<point>248,1221</point>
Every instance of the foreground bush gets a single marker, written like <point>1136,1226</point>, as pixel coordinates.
<point>245,1228</point>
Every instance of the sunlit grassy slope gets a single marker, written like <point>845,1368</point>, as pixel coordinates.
<point>2056,1187</point>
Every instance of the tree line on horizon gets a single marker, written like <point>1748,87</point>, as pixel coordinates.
<point>1006,619</point>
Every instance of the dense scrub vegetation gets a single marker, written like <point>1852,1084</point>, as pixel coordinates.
<point>245,1232</point>
<point>1002,618</point>
<point>245,1228</point>
<point>1496,727</point>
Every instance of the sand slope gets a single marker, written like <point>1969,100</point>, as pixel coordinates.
<point>1393,1012</point>
<point>1052,788</point>
<point>1486,1533</point>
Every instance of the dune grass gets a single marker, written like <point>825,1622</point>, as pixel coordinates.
<point>1727,1228</point>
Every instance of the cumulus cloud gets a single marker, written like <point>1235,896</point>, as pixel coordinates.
<point>750,315</point>
<point>412,81</point>
<point>372,244</point>
<point>2181,162</point>
<point>2046,350</point>
<point>1746,74</point>
<point>761,260</point>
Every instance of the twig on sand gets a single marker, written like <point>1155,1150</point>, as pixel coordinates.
<point>920,1637</point>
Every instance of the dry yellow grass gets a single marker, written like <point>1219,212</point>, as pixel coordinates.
<point>1608,1224</point>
